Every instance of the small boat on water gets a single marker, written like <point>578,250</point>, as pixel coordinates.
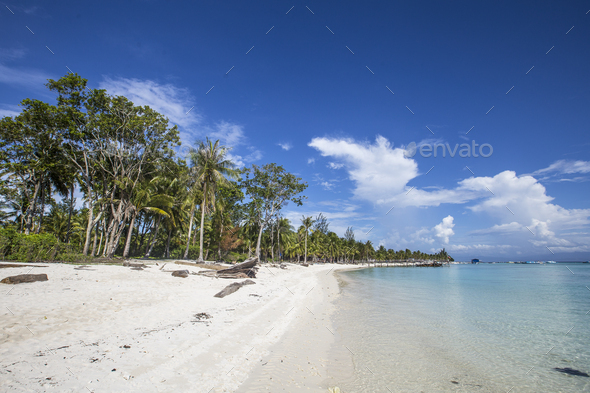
<point>550,262</point>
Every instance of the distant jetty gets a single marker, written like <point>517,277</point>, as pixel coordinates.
<point>407,263</point>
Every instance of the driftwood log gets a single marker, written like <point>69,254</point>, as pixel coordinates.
<point>22,278</point>
<point>241,270</point>
<point>180,273</point>
<point>231,288</point>
<point>133,264</point>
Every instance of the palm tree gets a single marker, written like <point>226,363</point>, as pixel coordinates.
<point>211,169</point>
<point>307,222</point>
<point>149,197</point>
<point>284,229</point>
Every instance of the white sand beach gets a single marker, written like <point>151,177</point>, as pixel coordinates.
<point>106,328</point>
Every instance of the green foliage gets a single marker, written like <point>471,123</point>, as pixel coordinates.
<point>140,198</point>
<point>43,247</point>
<point>7,236</point>
<point>178,253</point>
<point>236,257</point>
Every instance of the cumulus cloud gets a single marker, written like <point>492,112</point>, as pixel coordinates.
<point>444,230</point>
<point>525,197</point>
<point>169,100</point>
<point>228,134</point>
<point>285,146</point>
<point>378,170</point>
<point>520,205</point>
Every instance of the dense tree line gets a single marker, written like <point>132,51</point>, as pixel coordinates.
<point>140,198</point>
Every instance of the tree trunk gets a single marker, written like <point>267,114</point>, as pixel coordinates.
<point>272,243</point>
<point>91,223</point>
<point>195,237</point>
<point>258,242</point>
<point>220,236</point>
<point>168,243</point>
<point>190,228</point>
<point>139,246</point>
<point>147,255</point>
<point>70,213</point>
<point>109,238</point>
<point>202,222</point>
<point>305,259</point>
<point>115,244</point>
<point>94,242</point>
<point>31,210</point>
<point>129,235</point>
<point>101,237</point>
<point>42,212</point>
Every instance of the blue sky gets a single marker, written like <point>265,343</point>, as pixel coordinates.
<point>340,92</point>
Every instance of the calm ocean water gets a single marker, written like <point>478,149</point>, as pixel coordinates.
<point>466,328</point>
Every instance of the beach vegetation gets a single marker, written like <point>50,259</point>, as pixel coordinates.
<point>95,176</point>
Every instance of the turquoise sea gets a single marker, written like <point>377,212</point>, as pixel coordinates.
<point>466,328</point>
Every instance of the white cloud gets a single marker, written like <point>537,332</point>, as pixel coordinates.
<point>565,167</point>
<point>254,156</point>
<point>519,204</point>
<point>12,54</point>
<point>444,230</point>
<point>327,185</point>
<point>422,235</point>
<point>478,247</point>
<point>9,110</point>
<point>169,100</point>
<point>285,146</point>
<point>174,103</point>
<point>500,229</point>
<point>379,170</point>
<point>229,134</point>
<point>237,160</point>
<point>310,160</point>
<point>525,197</point>
<point>35,79</point>
<point>333,165</point>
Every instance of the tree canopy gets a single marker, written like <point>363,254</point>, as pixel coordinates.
<point>140,197</point>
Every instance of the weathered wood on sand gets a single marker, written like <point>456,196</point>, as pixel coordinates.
<point>247,267</point>
<point>24,278</point>
<point>180,273</point>
<point>231,288</point>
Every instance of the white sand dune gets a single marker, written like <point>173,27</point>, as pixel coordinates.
<point>113,329</point>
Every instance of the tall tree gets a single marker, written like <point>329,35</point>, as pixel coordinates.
<point>307,222</point>
<point>212,168</point>
<point>270,188</point>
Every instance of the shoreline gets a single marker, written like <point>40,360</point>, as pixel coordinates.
<point>111,328</point>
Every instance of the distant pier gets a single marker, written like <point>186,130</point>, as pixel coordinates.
<point>407,263</point>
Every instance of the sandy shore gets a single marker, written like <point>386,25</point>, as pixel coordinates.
<point>114,329</point>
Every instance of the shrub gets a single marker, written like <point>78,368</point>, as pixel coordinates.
<point>236,257</point>
<point>178,253</point>
<point>34,248</point>
<point>7,236</point>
